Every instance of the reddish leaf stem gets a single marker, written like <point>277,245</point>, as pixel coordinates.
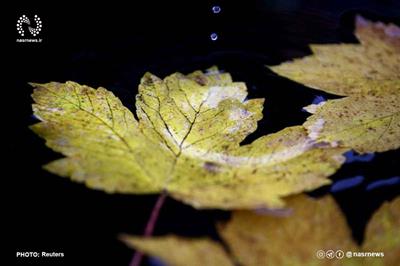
<point>148,231</point>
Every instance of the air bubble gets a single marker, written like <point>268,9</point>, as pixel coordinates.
<point>213,36</point>
<point>216,9</point>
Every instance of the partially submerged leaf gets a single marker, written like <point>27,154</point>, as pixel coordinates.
<point>364,123</point>
<point>265,240</point>
<point>316,225</point>
<point>179,251</point>
<point>371,67</point>
<point>186,142</point>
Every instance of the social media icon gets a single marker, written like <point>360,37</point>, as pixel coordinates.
<point>330,254</point>
<point>339,254</point>
<point>320,254</point>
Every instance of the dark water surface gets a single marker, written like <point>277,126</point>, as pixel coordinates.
<point>112,46</point>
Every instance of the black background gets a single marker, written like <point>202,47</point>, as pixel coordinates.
<point>113,45</point>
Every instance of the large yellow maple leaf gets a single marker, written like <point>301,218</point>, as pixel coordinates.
<point>186,142</point>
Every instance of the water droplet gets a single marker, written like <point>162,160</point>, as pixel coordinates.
<point>353,157</point>
<point>214,36</point>
<point>216,9</point>
<point>384,182</point>
<point>318,99</point>
<point>346,183</point>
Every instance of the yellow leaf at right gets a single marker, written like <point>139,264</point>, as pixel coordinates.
<point>368,120</point>
<point>363,123</point>
<point>371,67</point>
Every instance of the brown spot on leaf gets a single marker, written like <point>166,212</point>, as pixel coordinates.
<point>211,167</point>
<point>201,80</point>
